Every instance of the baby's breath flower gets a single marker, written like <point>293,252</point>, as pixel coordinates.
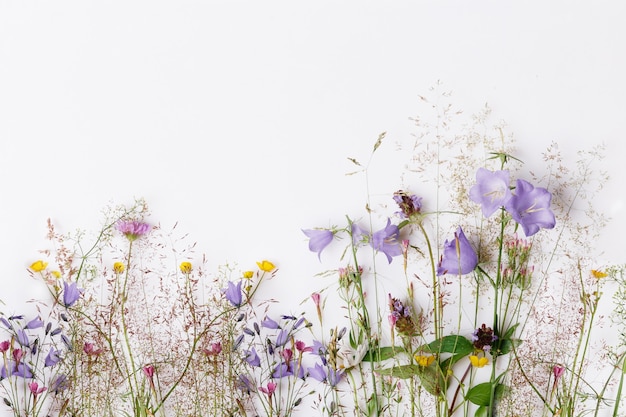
<point>118,267</point>
<point>185,267</point>
<point>38,266</point>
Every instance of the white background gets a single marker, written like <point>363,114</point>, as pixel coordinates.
<point>235,119</point>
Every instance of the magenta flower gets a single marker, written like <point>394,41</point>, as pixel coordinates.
<point>214,349</point>
<point>530,207</point>
<point>71,294</point>
<point>491,190</point>
<point>132,229</point>
<point>269,391</point>
<point>4,346</point>
<point>148,371</point>
<point>387,241</point>
<point>459,258</point>
<point>233,294</point>
<point>318,240</point>
<point>558,372</point>
<point>35,389</point>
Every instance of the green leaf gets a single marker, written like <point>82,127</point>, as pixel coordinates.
<point>481,411</point>
<point>481,393</point>
<point>402,371</point>
<point>455,344</point>
<point>383,353</point>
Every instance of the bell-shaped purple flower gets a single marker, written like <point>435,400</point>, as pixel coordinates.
<point>253,358</point>
<point>282,338</point>
<point>317,372</point>
<point>71,294</point>
<point>22,338</point>
<point>459,258</point>
<point>34,323</point>
<point>491,190</point>
<point>268,323</point>
<point>233,294</point>
<point>387,241</point>
<point>53,357</point>
<point>318,240</point>
<point>530,207</point>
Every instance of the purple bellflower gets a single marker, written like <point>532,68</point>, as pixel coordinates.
<point>318,240</point>
<point>22,338</point>
<point>253,358</point>
<point>317,372</point>
<point>491,190</point>
<point>268,323</point>
<point>530,207</point>
<point>233,294</point>
<point>387,241</point>
<point>459,258</point>
<point>71,294</point>
<point>52,358</point>
<point>34,323</point>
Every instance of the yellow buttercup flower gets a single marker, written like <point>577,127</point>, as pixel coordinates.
<point>119,267</point>
<point>56,274</point>
<point>598,274</point>
<point>424,360</point>
<point>266,266</point>
<point>478,362</point>
<point>38,266</point>
<point>248,274</point>
<point>185,267</point>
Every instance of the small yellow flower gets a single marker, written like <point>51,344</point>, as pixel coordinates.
<point>185,267</point>
<point>478,362</point>
<point>598,274</point>
<point>266,266</point>
<point>424,360</point>
<point>119,267</point>
<point>248,274</point>
<point>56,274</point>
<point>38,266</point>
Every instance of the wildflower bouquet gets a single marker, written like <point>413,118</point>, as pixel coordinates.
<point>472,289</point>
